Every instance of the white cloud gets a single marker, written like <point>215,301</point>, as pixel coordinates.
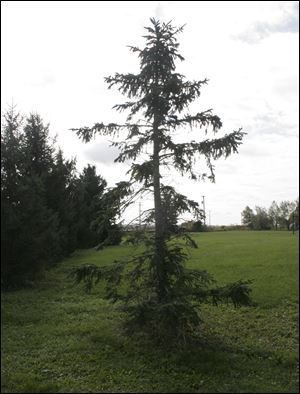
<point>101,152</point>
<point>283,18</point>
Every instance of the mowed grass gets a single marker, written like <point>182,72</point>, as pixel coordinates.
<point>56,338</point>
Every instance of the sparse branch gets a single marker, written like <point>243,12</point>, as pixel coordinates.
<point>132,151</point>
<point>137,217</point>
<point>87,133</point>
<point>182,155</point>
<point>201,119</point>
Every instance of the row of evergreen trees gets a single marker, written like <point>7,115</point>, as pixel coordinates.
<point>283,215</point>
<point>47,208</point>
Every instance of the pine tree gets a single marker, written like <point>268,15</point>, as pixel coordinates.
<point>90,188</point>
<point>11,158</point>
<point>62,197</point>
<point>39,148</point>
<point>162,295</point>
<point>28,227</point>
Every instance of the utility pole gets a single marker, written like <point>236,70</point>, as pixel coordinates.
<point>203,203</point>
<point>209,218</point>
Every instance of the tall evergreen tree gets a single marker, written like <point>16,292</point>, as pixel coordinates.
<point>39,148</point>
<point>62,196</point>
<point>11,159</point>
<point>162,294</point>
<point>29,228</point>
<point>90,188</point>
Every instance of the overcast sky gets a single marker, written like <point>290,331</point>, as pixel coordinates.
<point>55,56</point>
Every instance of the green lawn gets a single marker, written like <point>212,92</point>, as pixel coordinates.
<point>56,338</point>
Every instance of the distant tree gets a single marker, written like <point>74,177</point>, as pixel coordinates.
<point>261,220</point>
<point>106,222</point>
<point>283,215</point>
<point>187,225</point>
<point>286,209</point>
<point>295,215</point>
<point>248,217</point>
<point>162,295</point>
<point>198,226</point>
<point>274,215</point>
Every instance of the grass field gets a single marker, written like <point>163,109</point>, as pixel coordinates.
<point>56,338</point>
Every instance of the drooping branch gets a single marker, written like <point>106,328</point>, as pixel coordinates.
<point>143,173</point>
<point>201,119</point>
<point>132,150</point>
<point>87,133</point>
<point>182,155</point>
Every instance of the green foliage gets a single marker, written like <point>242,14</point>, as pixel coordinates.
<point>112,205</point>
<point>274,215</point>
<point>261,220</point>
<point>282,216</point>
<point>248,217</point>
<point>194,226</point>
<point>286,210</point>
<point>60,198</point>
<point>174,317</point>
<point>90,190</point>
<point>295,215</point>
<point>29,229</point>
<point>46,210</point>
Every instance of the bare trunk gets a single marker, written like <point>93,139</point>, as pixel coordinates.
<point>159,218</point>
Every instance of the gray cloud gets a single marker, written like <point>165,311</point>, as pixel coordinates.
<point>289,23</point>
<point>101,152</point>
<point>272,124</point>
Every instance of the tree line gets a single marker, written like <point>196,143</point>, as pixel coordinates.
<point>283,215</point>
<point>48,209</point>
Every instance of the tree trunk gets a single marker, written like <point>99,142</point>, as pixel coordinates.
<point>159,218</point>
